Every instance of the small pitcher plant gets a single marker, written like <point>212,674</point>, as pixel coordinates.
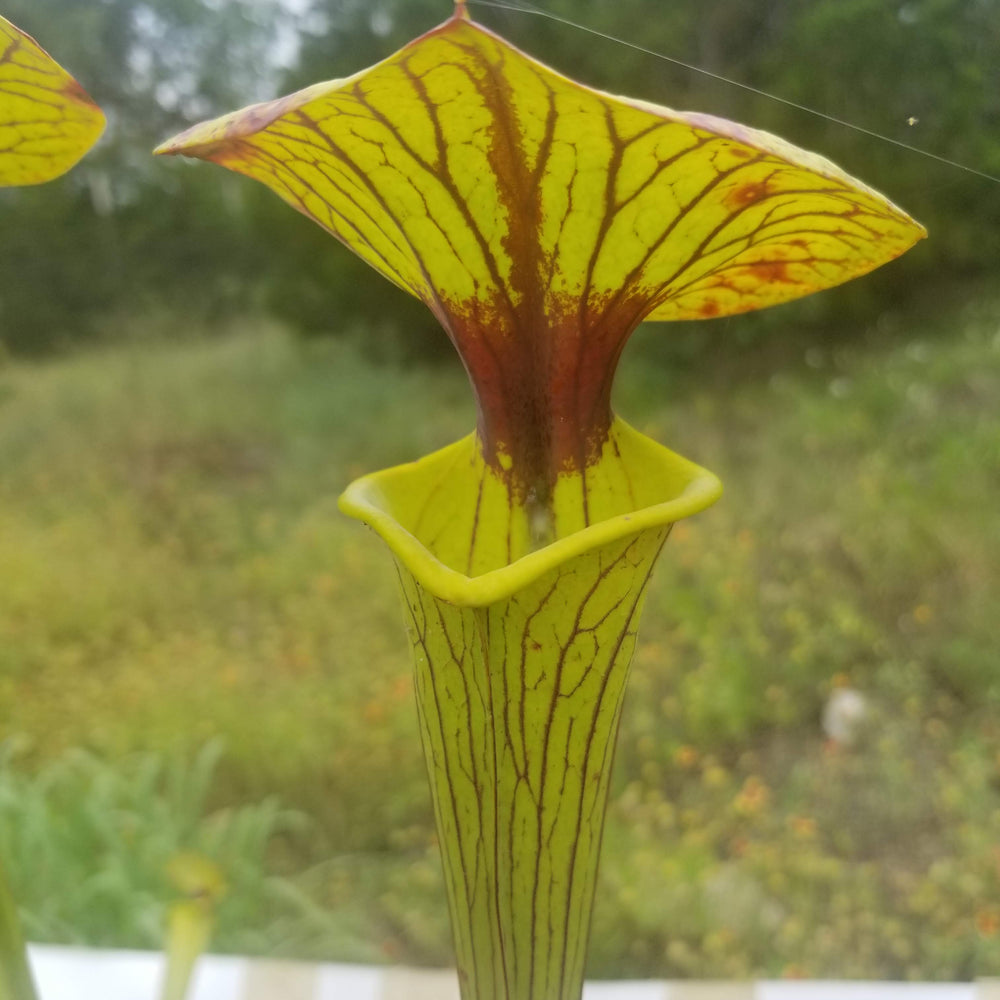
<point>541,221</point>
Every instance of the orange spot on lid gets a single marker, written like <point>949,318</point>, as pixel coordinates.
<point>747,194</point>
<point>770,271</point>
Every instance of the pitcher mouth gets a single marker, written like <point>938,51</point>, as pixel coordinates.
<point>663,487</point>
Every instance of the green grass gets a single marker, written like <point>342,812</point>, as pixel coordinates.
<point>173,570</point>
<point>90,843</point>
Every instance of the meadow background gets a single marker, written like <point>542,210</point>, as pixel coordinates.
<point>198,653</point>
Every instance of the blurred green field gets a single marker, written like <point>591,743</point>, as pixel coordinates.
<point>198,651</point>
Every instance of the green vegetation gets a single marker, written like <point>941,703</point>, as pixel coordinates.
<point>175,573</point>
<point>90,844</point>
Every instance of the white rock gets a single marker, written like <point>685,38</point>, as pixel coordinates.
<point>844,714</point>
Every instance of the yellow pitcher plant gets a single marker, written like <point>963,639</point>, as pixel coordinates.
<point>47,121</point>
<point>541,221</point>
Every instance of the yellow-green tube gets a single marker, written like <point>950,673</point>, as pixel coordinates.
<point>520,674</point>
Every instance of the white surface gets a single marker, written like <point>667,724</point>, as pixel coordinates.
<point>346,982</point>
<point>221,978</point>
<point>625,991</point>
<point>69,974</point>
<point>78,974</point>
<point>865,991</point>
<point>419,984</point>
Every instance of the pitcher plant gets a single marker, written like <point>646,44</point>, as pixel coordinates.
<point>541,221</point>
<point>47,121</point>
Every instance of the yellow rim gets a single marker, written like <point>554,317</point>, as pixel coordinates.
<point>364,500</point>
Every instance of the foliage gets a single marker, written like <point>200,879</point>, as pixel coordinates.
<point>89,846</point>
<point>177,570</point>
